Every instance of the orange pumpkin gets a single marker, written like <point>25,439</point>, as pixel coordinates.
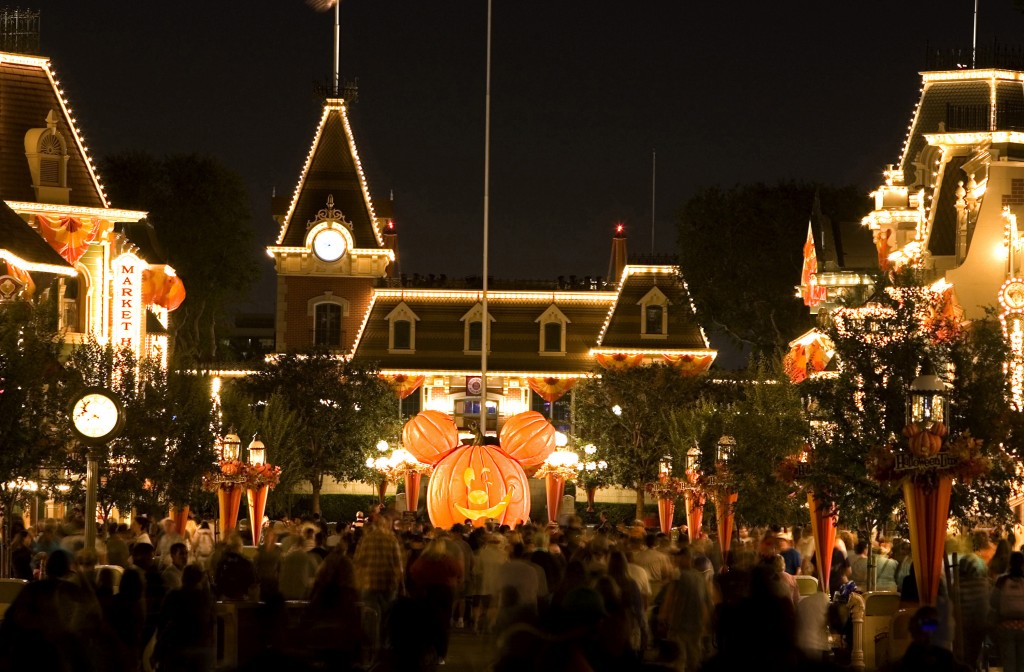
<point>478,483</point>
<point>429,436</point>
<point>528,437</point>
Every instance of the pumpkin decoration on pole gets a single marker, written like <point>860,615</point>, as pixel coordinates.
<point>480,481</point>
<point>559,467</point>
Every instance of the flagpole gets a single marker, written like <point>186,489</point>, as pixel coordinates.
<point>337,46</point>
<point>484,321</point>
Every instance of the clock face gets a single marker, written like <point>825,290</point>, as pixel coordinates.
<point>329,245</point>
<point>1013,294</point>
<point>95,415</point>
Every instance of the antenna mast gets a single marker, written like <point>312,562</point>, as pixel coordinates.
<point>337,46</point>
<point>974,38</point>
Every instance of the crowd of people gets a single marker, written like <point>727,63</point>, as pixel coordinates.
<point>386,591</point>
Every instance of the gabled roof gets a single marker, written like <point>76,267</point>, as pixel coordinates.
<point>623,320</point>
<point>332,169</point>
<point>22,245</point>
<point>28,91</point>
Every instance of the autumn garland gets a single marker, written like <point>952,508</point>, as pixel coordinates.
<point>242,474</point>
<point>962,459</point>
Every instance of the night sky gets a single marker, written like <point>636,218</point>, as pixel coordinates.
<point>725,92</point>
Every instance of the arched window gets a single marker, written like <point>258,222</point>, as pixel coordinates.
<point>553,324</point>
<point>476,336</point>
<point>402,329</point>
<point>327,325</point>
<point>653,315</point>
<point>473,330</point>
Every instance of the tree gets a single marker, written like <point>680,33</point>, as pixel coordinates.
<point>627,413</point>
<point>200,210</point>
<point>167,442</point>
<point>31,402</point>
<point>881,348</point>
<point>342,408</point>
<point>277,425</point>
<point>740,250</point>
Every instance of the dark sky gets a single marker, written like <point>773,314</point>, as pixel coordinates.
<point>726,92</point>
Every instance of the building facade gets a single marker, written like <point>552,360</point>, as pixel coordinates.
<point>335,258</point>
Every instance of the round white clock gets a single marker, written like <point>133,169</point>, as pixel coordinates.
<point>329,245</point>
<point>96,414</point>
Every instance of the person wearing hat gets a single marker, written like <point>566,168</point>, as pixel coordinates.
<point>784,543</point>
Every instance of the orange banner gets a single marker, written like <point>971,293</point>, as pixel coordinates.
<point>70,236</point>
<point>823,528</point>
<point>618,360</point>
<point>550,389</point>
<point>928,515</point>
<point>690,365</point>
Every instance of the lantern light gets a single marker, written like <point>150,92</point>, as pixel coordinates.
<point>257,451</point>
<point>928,399</point>
<point>561,440</point>
<point>230,446</point>
<point>665,467</point>
<point>726,448</point>
<point>383,446</point>
<point>693,459</point>
<point>616,409</point>
<point>590,449</point>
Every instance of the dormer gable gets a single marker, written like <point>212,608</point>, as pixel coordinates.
<point>553,323</point>
<point>472,331</point>
<point>402,329</point>
<point>654,314</point>
<point>46,150</point>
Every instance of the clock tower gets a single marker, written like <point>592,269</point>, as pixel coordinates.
<point>330,251</point>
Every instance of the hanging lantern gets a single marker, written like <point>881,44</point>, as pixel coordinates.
<point>664,467</point>
<point>693,460</point>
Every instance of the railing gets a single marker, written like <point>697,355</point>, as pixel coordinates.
<point>994,55</point>
<point>442,281</point>
<point>1009,117</point>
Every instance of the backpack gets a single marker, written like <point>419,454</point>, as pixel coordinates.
<point>204,544</point>
<point>1011,599</point>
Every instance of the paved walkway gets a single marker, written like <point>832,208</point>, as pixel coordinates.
<point>468,652</point>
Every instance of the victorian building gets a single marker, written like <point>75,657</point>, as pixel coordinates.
<point>335,258</point>
<point>60,238</point>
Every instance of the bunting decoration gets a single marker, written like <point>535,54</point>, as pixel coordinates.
<point>618,361</point>
<point>807,355</point>
<point>14,282</point>
<point>404,385</point>
<point>551,389</point>
<point>162,287</point>
<point>810,291</point>
<point>689,365</point>
<point>70,236</point>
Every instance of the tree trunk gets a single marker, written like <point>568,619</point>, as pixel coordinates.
<point>316,497</point>
<point>640,503</point>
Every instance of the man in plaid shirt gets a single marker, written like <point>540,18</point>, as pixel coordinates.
<point>379,567</point>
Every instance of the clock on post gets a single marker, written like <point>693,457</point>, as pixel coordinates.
<point>96,415</point>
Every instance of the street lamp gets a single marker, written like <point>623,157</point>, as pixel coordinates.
<point>664,468</point>
<point>616,409</point>
<point>383,446</point>
<point>257,451</point>
<point>693,460</point>
<point>230,446</point>
<point>928,400</point>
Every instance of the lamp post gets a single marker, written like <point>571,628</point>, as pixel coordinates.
<point>725,498</point>
<point>927,500</point>
<point>694,496</point>
<point>229,490</point>
<point>230,446</point>
<point>257,496</point>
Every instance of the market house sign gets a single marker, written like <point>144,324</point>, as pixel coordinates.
<point>127,304</point>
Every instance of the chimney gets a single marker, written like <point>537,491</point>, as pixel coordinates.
<point>390,237</point>
<point>618,259</point>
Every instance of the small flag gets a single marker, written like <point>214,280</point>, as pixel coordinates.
<point>322,5</point>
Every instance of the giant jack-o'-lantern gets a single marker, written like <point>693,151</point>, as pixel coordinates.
<point>478,483</point>
<point>429,436</point>
<point>529,438</point>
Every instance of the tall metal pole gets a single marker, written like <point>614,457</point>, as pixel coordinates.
<point>974,37</point>
<point>92,467</point>
<point>485,322</point>
<point>337,46</point>
<point>654,175</point>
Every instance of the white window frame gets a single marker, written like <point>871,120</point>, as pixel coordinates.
<point>328,297</point>
<point>552,316</point>
<point>655,297</point>
<point>402,312</point>
<point>475,314</point>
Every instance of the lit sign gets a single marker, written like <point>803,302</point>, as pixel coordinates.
<point>127,308</point>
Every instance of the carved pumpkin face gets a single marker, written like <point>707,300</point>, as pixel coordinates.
<point>477,482</point>
<point>429,436</point>
<point>529,438</point>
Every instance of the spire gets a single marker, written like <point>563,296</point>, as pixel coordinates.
<point>618,259</point>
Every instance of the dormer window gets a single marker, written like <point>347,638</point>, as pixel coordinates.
<point>47,154</point>
<point>553,324</point>
<point>654,314</point>
<point>473,331</point>
<point>402,329</point>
